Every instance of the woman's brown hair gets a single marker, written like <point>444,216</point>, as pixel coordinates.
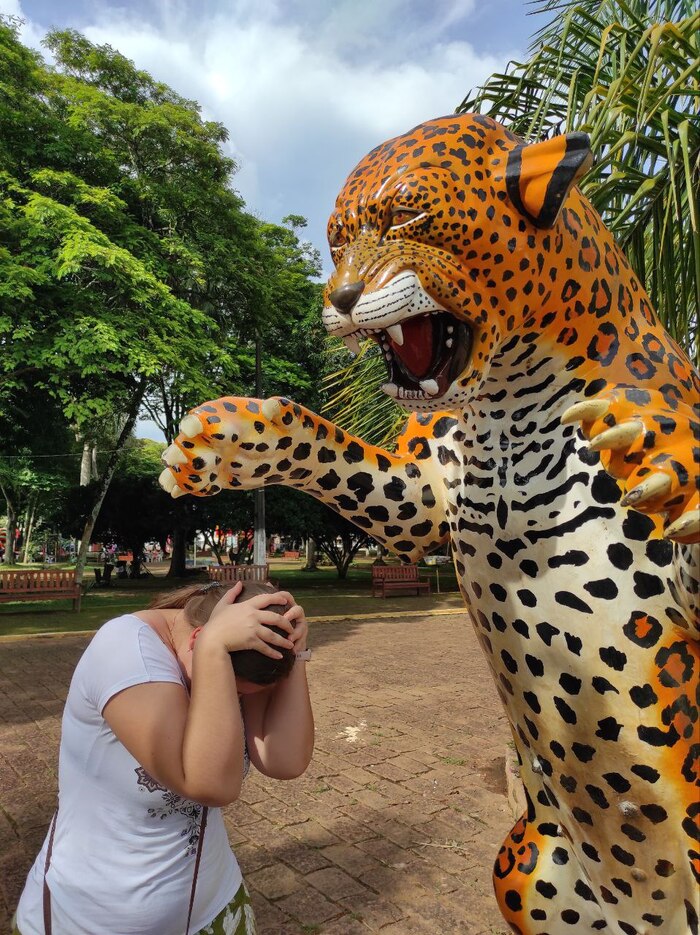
<point>198,602</point>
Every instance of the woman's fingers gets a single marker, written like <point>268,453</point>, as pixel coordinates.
<point>262,647</point>
<point>269,636</point>
<point>228,598</point>
<point>271,619</point>
<point>296,616</point>
<point>273,597</point>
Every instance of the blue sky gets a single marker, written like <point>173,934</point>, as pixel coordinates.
<point>305,87</point>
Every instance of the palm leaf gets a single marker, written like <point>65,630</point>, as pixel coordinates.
<point>358,412</point>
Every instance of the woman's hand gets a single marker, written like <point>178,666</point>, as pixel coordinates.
<point>246,625</point>
<point>295,616</point>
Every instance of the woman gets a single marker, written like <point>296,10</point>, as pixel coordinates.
<point>156,734</point>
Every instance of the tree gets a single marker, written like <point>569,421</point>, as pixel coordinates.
<point>31,476</point>
<point>276,321</point>
<point>127,258</point>
<point>293,513</point>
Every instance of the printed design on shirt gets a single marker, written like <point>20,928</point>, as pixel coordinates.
<point>173,804</point>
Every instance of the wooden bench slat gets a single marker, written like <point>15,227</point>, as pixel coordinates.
<point>233,573</point>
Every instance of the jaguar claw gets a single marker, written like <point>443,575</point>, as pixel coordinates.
<point>167,480</point>
<point>586,411</point>
<point>620,436</point>
<point>271,409</point>
<point>686,525</point>
<point>190,426</point>
<point>177,492</point>
<point>655,486</point>
<point>173,455</point>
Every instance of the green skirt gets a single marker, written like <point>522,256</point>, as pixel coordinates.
<point>235,919</point>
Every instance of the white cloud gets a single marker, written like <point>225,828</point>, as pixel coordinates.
<point>29,33</point>
<point>305,88</point>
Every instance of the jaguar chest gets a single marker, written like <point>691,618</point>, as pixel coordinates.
<point>555,573</point>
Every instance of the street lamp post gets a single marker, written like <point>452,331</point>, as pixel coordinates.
<point>259,532</point>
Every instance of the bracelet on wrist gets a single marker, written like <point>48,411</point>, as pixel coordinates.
<point>303,656</point>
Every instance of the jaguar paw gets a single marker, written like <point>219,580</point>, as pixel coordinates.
<point>652,447</point>
<point>227,443</point>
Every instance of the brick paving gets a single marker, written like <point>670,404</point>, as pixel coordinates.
<point>393,828</point>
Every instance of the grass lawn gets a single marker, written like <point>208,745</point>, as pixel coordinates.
<point>320,592</point>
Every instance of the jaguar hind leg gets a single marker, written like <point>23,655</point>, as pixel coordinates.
<point>539,885</point>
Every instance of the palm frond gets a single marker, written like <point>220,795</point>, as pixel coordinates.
<point>352,391</point>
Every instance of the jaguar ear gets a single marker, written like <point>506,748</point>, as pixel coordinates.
<point>539,176</point>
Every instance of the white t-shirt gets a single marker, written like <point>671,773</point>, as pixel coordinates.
<point>124,847</point>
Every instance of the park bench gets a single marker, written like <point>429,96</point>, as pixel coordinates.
<point>39,585</point>
<point>233,573</point>
<point>292,553</point>
<point>389,578</point>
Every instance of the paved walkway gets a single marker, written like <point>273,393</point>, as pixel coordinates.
<point>394,827</point>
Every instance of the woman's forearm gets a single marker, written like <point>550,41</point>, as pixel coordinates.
<point>288,727</point>
<point>212,747</point>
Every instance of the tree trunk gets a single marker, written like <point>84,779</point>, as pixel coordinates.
<point>215,546</point>
<point>9,557</point>
<point>86,464</point>
<point>178,553</point>
<point>310,555</point>
<point>104,483</point>
<point>29,526</point>
<point>260,538</point>
<point>94,472</point>
<point>260,541</point>
<point>136,553</point>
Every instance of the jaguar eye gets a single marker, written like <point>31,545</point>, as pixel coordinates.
<point>401,216</point>
<point>337,239</point>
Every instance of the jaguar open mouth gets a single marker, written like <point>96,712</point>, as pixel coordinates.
<point>424,354</point>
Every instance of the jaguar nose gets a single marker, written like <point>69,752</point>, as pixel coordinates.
<point>345,297</point>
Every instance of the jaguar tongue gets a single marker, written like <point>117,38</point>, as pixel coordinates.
<point>416,352</point>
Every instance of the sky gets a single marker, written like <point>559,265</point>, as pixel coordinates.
<point>304,87</point>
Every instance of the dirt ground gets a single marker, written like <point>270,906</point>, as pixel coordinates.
<point>393,829</point>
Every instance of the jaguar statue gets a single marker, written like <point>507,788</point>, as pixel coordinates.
<point>553,440</point>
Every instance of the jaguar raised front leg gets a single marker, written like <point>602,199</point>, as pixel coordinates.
<point>238,442</point>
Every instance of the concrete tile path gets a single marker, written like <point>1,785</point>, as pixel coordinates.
<point>394,827</point>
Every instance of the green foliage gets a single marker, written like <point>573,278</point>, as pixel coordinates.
<point>32,478</point>
<point>129,268</point>
<point>348,383</point>
<point>293,513</point>
<point>126,257</point>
